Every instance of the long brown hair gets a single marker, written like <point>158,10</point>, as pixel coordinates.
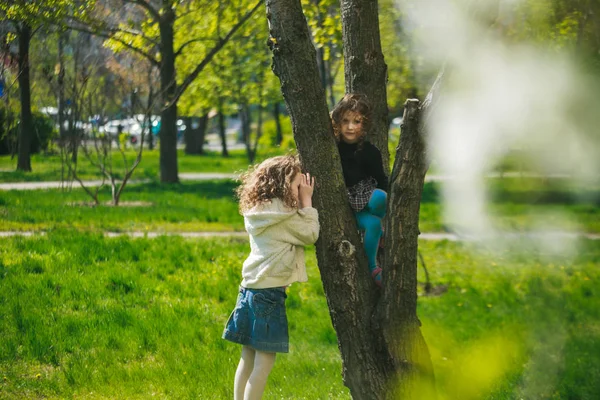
<point>357,103</point>
<point>268,180</point>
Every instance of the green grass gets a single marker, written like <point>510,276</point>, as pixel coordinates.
<point>522,204</point>
<point>189,206</point>
<point>514,323</point>
<point>86,316</point>
<point>517,205</point>
<point>90,317</point>
<point>49,167</point>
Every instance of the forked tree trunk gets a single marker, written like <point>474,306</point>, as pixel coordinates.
<point>383,352</point>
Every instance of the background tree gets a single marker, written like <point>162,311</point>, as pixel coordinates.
<point>24,27</point>
<point>151,29</point>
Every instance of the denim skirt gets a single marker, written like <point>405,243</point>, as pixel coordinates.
<point>259,320</point>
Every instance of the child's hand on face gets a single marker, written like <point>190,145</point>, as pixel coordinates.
<point>305,190</point>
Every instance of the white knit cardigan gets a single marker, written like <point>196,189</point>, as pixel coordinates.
<point>278,235</point>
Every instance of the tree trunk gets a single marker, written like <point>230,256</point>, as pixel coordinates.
<point>149,108</point>
<point>246,121</point>
<point>330,81</point>
<point>377,364</point>
<point>61,88</point>
<point>26,126</point>
<point>364,67</point>
<point>321,50</point>
<point>194,137</point>
<point>278,132</point>
<point>398,307</point>
<point>350,292</point>
<point>222,135</point>
<point>188,135</point>
<point>168,85</point>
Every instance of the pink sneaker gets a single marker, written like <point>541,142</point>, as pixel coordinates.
<point>376,275</point>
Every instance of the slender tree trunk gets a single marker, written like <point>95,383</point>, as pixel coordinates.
<point>189,135</point>
<point>246,121</point>
<point>321,50</point>
<point>61,87</point>
<point>73,108</point>
<point>383,352</point>
<point>222,134</point>
<point>278,132</point>
<point>26,126</point>
<point>194,138</point>
<point>364,67</point>
<point>149,110</point>
<point>168,84</point>
<point>330,82</point>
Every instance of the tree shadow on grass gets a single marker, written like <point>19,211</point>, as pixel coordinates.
<point>214,189</point>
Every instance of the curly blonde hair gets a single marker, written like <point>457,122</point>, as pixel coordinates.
<point>354,102</point>
<point>268,180</point>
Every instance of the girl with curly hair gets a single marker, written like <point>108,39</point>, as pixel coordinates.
<point>276,202</point>
<point>363,172</point>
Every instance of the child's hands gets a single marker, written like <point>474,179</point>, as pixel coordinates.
<point>305,190</point>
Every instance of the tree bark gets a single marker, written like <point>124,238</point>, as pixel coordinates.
<point>168,85</point>
<point>365,70</point>
<point>26,126</point>
<point>384,355</point>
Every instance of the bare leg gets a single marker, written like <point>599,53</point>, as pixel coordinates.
<point>243,372</point>
<point>263,363</point>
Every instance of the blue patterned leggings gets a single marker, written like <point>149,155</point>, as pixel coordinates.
<point>369,220</point>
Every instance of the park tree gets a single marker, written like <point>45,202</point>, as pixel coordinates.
<point>384,354</point>
<point>24,27</point>
<point>27,17</point>
<point>155,34</point>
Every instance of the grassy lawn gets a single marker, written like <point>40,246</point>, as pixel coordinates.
<point>517,205</point>
<point>190,206</point>
<point>85,316</point>
<point>48,168</point>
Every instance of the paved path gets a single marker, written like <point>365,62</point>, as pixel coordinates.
<point>423,236</point>
<point>203,176</point>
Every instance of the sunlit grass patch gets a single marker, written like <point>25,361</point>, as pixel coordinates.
<point>186,207</point>
<point>49,167</point>
<point>133,318</point>
<point>514,315</point>
<point>95,317</point>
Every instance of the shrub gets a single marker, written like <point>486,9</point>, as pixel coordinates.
<point>43,132</point>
